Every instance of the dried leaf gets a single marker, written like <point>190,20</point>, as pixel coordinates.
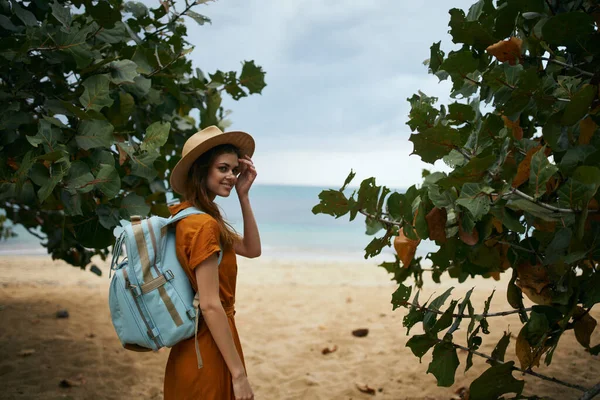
<point>514,126</point>
<point>328,350</point>
<point>525,353</point>
<point>122,155</point>
<point>584,326</point>
<point>544,226</point>
<point>406,248</point>
<point>524,168</point>
<point>497,224</point>
<point>469,238</point>
<point>436,223</point>
<point>360,332</point>
<point>587,127</point>
<point>507,50</point>
<point>533,276</point>
<point>365,388</point>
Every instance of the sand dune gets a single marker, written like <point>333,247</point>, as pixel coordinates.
<point>287,313</point>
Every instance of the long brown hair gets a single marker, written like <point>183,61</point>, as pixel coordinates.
<point>196,191</point>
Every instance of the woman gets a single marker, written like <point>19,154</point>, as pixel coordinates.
<point>212,164</point>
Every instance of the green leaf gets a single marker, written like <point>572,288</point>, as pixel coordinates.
<point>540,173</point>
<point>349,178</point>
<point>24,15</point>
<point>115,35</point>
<point>252,77</point>
<point>332,202</point>
<point>199,18</point>
<point>579,105</point>
<point>575,194</point>
<point>94,133</point>
<point>138,9</point>
<point>143,165</point>
<point>445,320</point>
<point>133,204</point>
<point>420,344</point>
<point>372,226</point>
<point>461,311</point>
<point>108,180</point>
<point>108,216</point>
<point>140,87</point>
<point>558,246</point>
<point>494,382</point>
<point>500,349</point>
<point>414,316</point>
<point>475,198</point>
<point>80,178</point>
<point>73,42</point>
<point>436,58</point>
<point>469,32</point>
<point>62,14</point>
<point>434,143</point>
<point>156,136</point>
<point>90,233</point>
<point>459,64</point>
<point>7,24</point>
<point>94,269</point>
<point>96,93</point>
<point>568,28</point>
<point>401,296</point>
<point>444,364</point>
<point>430,316</point>
<point>21,174</point>
<point>123,71</point>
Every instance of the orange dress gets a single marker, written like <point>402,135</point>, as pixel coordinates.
<point>197,238</point>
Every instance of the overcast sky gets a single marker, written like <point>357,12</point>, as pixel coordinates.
<point>338,76</point>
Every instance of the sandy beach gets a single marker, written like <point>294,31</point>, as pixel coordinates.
<point>287,313</point>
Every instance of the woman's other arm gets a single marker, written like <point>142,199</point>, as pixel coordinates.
<point>207,276</point>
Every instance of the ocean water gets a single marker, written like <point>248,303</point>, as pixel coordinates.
<point>288,228</point>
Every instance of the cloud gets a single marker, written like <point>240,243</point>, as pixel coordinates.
<point>338,76</point>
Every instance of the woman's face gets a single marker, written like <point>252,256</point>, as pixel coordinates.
<point>222,175</point>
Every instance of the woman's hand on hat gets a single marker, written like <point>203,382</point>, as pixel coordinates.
<point>247,175</point>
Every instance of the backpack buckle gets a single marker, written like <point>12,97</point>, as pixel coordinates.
<point>169,275</point>
<point>191,313</point>
<point>135,290</point>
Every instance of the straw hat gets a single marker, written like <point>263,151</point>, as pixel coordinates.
<point>202,141</point>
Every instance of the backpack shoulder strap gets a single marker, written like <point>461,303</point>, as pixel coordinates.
<point>186,213</point>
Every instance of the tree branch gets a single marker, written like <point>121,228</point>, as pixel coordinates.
<point>385,221</point>
<point>590,394</point>
<point>570,66</point>
<point>496,314</point>
<point>166,26</point>
<point>541,204</point>
<point>528,372</point>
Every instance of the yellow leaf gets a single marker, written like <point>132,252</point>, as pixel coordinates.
<point>515,126</point>
<point>524,168</point>
<point>525,353</point>
<point>587,127</point>
<point>507,50</point>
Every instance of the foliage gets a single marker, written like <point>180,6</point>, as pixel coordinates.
<point>95,103</point>
<point>522,196</point>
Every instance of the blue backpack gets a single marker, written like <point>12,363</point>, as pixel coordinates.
<point>152,302</point>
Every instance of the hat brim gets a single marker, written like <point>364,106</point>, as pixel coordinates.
<point>179,176</point>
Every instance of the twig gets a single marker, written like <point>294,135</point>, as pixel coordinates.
<point>550,7</point>
<point>496,314</point>
<point>166,26</point>
<point>35,234</point>
<point>156,71</point>
<point>529,372</point>
<point>541,204</point>
<point>552,60</point>
<point>590,394</point>
<point>516,247</point>
<point>385,221</point>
